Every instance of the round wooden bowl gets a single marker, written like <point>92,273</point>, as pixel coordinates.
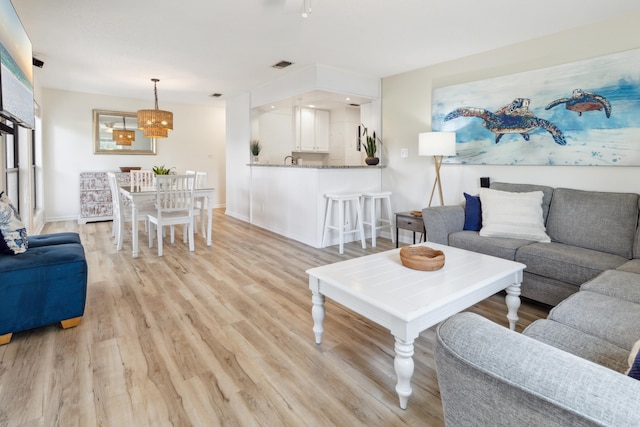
<point>422,258</point>
<point>129,168</point>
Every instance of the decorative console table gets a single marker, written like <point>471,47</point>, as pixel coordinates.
<point>95,196</point>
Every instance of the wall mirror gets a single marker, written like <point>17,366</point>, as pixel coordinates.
<point>105,122</point>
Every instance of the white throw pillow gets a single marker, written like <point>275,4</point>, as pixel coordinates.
<point>514,215</point>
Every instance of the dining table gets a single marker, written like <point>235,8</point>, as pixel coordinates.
<point>137,194</point>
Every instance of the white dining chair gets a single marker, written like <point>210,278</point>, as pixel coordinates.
<point>199,203</point>
<point>142,178</point>
<point>121,213</point>
<point>174,206</point>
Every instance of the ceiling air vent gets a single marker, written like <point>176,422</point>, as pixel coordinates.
<point>354,105</point>
<point>282,64</point>
<point>216,95</point>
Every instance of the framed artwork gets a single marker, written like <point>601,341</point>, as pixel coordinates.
<point>582,113</point>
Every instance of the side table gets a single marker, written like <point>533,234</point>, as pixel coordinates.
<point>406,221</point>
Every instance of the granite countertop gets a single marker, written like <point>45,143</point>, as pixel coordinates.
<point>316,166</point>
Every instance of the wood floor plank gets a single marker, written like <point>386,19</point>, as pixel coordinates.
<point>217,337</point>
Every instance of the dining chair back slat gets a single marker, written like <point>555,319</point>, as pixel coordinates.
<point>142,178</point>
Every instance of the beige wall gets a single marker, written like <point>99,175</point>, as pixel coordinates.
<point>406,111</point>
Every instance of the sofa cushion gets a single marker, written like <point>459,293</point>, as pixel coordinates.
<point>617,284</point>
<point>579,343</point>
<point>12,230</point>
<point>500,247</point>
<point>472,213</point>
<point>39,240</point>
<point>512,215</point>
<point>609,318</point>
<point>600,221</point>
<point>566,263</point>
<point>631,266</point>
<point>528,188</point>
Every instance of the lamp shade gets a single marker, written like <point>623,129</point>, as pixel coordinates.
<point>155,123</point>
<point>124,137</point>
<point>437,144</point>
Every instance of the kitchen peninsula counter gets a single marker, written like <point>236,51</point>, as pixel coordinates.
<point>289,199</point>
<point>316,166</point>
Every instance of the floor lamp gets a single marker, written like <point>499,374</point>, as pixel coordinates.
<point>438,145</point>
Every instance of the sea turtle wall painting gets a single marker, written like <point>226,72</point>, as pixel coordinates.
<point>582,101</point>
<point>580,113</point>
<point>512,118</point>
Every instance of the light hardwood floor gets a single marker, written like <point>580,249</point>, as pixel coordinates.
<point>222,336</point>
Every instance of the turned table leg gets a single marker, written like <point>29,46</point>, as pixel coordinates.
<point>317,313</point>
<point>403,364</point>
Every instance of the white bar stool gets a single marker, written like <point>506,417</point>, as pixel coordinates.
<point>376,222</point>
<point>344,201</point>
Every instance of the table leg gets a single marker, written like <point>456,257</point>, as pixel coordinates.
<point>513,304</point>
<point>134,228</point>
<point>317,313</point>
<point>403,364</point>
<point>209,215</point>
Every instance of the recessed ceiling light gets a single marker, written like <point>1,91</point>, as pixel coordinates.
<point>347,99</point>
<point>312,106</point>
<point>282,64</point>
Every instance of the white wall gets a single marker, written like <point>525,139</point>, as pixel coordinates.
<point>197,142</point>
<point>238,123</point>
<point>406,111</point>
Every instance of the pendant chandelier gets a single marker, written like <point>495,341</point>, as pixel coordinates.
<point>124,136</point>
<point>155,123</point>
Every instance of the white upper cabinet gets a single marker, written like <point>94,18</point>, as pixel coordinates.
<point>311,130</point>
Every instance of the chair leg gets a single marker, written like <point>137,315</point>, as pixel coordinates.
<point>202,220</point>
<point>151,231</point>
<point>327,222</point>
<point>389,216</point>
<point>6,338</point>
<point>360,226</point>
<point>192,246</point>
<point>119,234</point>
<point>159,236</point>
<point>70,323</point>
<point>374,225</point>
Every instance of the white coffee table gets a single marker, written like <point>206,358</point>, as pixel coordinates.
<point>409,301</point>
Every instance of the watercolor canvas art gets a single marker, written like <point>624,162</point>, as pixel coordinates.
<point>582,113</point>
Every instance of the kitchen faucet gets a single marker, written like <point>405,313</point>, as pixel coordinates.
<point>293,160</point>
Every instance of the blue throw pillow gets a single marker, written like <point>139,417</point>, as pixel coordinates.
<point>472,213</point>
<point>634,372</point>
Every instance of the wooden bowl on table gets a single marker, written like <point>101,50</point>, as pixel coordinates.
<point>422,258</point>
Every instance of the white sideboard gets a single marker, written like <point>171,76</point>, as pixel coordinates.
<point>95,196</point>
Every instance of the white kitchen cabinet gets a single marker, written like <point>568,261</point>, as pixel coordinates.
<point>311,130</point>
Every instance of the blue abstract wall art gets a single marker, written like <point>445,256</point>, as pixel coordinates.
<point>582,113</point>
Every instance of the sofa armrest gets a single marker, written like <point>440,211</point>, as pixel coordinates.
<point>440,221</point>
<point>489,375</point>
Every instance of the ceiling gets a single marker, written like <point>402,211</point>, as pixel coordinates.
<point>200,47</point>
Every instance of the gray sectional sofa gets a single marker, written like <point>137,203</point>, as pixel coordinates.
<point>567,369</point>
<point>590,232</point>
